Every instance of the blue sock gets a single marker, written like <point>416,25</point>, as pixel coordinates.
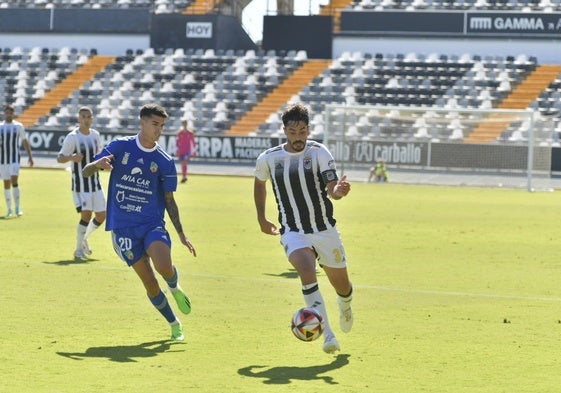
<point>172,282</point>
<point>162,305</point>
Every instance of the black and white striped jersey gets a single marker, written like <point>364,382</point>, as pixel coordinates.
<point>88,146</point>
<point>298,181</point>
<point>11,135</point>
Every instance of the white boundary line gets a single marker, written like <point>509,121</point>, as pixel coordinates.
<point>405,290</point>
<point>366,286</point>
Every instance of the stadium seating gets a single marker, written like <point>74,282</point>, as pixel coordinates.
<point>458,5</point>
<point>214,89</point>
<point>157,6</point>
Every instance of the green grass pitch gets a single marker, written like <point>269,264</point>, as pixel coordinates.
<point>456,290</point>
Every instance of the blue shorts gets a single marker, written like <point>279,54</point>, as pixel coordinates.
<point>131,244</point>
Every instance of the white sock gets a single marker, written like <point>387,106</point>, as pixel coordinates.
<point>346,299</point>
<point>91,227</point>
<point>80,232</point>
<point>15,192</point>
<point>8,197</point>
<point>313,298</point>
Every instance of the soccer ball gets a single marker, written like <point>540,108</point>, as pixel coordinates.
<point>307,324</point>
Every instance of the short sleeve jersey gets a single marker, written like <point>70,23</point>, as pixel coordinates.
<point>299,183</point>
<point>137,183</point>
<point>11,135</point>
<point>185,142</point>
<point>88,145</point>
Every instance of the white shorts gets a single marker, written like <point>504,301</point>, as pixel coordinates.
<point>92,201</point>
<point>326,244</point>
<point>9,170</point>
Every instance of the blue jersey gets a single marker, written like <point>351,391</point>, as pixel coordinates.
<point>137,184</point>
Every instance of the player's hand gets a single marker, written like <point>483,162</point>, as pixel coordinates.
<point>77,157</point>
<point>268,227</point>
<point>187,244</point>
<point>105,163</point>
<point>342,187</point>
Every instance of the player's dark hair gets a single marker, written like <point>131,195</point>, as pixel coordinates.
<point>153,109</point>
<point>296,113</point>
<point>9,107</point>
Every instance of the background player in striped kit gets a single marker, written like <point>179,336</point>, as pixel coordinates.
<point>12,134</point>
<point>79,147</point>
<point>303,175</point>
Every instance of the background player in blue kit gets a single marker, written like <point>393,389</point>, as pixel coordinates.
<point>141,186</point>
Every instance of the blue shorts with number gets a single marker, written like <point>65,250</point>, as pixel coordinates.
<point>131,244</point>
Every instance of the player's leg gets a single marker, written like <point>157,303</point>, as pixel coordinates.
<point>304,261</point>
<point>98,207</point>
<point>5,173</point>
<point>331,256</point>
<point>15,191</point>
<point>339,279</point>
<point>8,196</point>
<point>160,253</point>
<point>183,162</point>
<point>129,245</point>
<point>85,216</point>
<point>158,299</point>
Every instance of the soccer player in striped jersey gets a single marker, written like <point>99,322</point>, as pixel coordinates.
<point>79,147</point>
<point>12,135</point>
<point>141,187</point>
<point>303,177</point>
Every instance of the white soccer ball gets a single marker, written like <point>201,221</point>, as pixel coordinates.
<point>307,324</point>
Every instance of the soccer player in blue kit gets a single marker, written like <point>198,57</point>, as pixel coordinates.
<point>141,186</point>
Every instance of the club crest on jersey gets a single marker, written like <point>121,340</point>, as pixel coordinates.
<point>153,167</point>
<point>125,159</point>
<point>307,163</point>
<point>129,255</point>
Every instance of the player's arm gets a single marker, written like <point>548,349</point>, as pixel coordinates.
<point>67,153</point>
<point>338,189</point>
<point>260,198</point>
<point>27,148</point>
<point>75,157</point>
<point>103,163</point>
<point>173,213</point>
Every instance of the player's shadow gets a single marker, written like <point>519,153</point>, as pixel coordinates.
<point>69,262</point>
<point>287,274</point>
<point>283,375</point>
<point>291,273</point>
<point>123,353</point>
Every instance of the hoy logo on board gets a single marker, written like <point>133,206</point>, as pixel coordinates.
<point>199,30</point>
